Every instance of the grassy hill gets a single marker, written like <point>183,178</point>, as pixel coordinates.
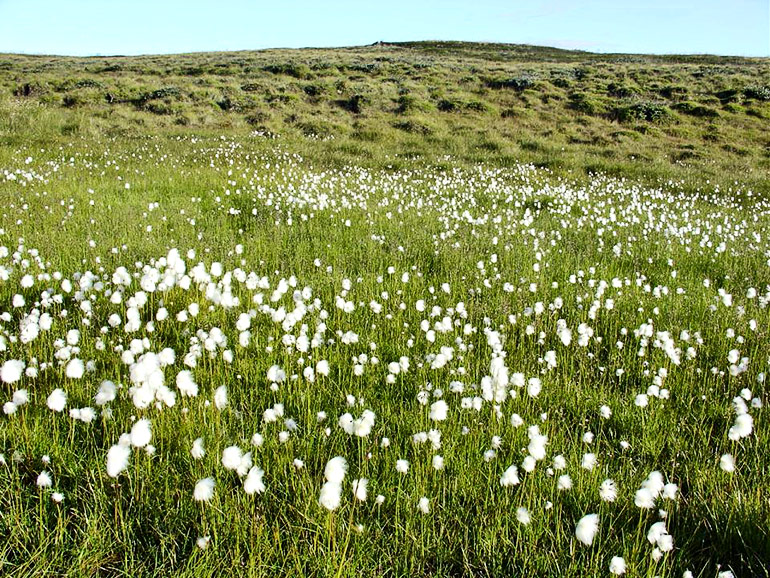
<point>688,118</point>
<point>289,264</point>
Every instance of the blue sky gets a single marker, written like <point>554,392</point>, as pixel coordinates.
<point>88,27</point>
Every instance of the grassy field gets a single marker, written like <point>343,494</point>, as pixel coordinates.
<point>691,118</point>
<point>425,309</point>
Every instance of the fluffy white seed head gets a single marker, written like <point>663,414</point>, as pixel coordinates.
<point>204,490</point>
<point>117,459</point>
<point>586,528</point>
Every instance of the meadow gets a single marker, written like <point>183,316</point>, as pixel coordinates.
<point>370,331</point>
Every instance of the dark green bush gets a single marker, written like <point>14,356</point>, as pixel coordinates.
<point>167,92</point>
<point>160,108</point>
<point>446,105</point>
<point>413,127</point>
<point>29,89</point>
<point>585,103</point>
<point>695,109</point>
<point>290,69</point>
<point>257,118</point>
<point>355,103</point>
<point>621,90</point>
<point>227,104</point>
<point>314,90</point>
<point>406,103</point>
<point>674,91</point>
<point>87,83</point>
<point>281,98</point>
<point>477,106</point>
<point>642,110</point>
<point>726,96</point>
<point>757,92</point>
<point>517,83</point>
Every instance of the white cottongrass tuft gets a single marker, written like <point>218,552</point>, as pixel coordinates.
<point>253,483</point>
<point>608,491</point>
<point>231,457</point>
<point>57,400</point>
<point>141,433</point>
<point>522,515</point>
<point>402,466</point>
<point>331,494</point>
<point>335,470</point>
<point>586,528</point>
<point>644,499</point>
<point>75,369</point>
<point>659,537</point>
<point>220,397</point>
<point>537,443</point>
<point>20,397</point>
<point>44,480</point>
<point>117,459</point>
<point>424,505</point>
<point>438,411</point>
<point>106,394</point>
<point>245,464</point>
<point>204,490</point>
<point>742,427</point>
<point>197,451</point>
<point>510,477</point>
<point>203,542</point>
<point>588,462</point>
<point>617,566</point>
<point>11,371</point>
<point>727,463</point>
<point>186,384</point>
<point>359,489</point>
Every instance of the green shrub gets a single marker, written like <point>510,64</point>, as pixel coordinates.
<point>290,69</point>
<point>413,127</point>
<point>477,106</point>
<point>406,103</point>
<point>695,109</point>
<point>167,92</point>
<point>517,83</point>
<point>281,98</point>
<point>355,103</point>
<point>87,83</point>
<point>757,92</point>
<point>367,134</point>
<point>314,90</point>
<point>227,104</point>
<point>29,89</point>
<point>673,91</point>
<point>585,103</point>
<point>160,108</point>
<point>446,105</point>
<point>257,118</point>
<point>643,110</point>
<point>726,96</point>
<point>621,90</point>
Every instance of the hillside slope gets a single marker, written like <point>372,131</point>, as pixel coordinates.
<point>691,118</point>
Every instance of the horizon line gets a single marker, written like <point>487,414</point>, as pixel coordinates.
<point>385,43</point>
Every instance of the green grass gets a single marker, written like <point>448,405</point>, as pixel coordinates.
<point>369,196</point>
<point>659,118</point>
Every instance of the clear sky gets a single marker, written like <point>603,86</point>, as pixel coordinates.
<point>89,27</point>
